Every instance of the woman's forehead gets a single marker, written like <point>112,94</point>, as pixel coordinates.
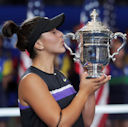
<point>45,33</point>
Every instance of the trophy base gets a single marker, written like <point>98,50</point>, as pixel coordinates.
<point>94,75</point>
<point>94,71</point>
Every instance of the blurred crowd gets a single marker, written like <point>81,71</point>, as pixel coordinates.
<point>9,60</point>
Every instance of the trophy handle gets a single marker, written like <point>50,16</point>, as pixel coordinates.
<point>114,36</point>
<point>73,36</point>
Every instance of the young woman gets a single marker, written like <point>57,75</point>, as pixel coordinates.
<point>46,97</point>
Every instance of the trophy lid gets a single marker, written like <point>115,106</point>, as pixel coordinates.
<point>94,25</point>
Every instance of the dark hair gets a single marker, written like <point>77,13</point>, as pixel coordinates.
<point>23,32</point>
<point>30,30</point>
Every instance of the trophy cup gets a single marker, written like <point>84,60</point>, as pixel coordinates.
<point>94,41</point>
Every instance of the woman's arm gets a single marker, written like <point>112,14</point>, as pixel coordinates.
<point>89,110</point>
<point>34,91</point>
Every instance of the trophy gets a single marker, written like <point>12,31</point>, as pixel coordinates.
<point>94,42</point>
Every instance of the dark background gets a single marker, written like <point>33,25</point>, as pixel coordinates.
<point>58,2</point>
<point>16,10</point>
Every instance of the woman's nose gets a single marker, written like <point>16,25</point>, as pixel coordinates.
<point>61,34</point>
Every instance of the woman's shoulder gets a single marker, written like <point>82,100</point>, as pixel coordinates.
<point>31,80</point>
<point>30,77</point>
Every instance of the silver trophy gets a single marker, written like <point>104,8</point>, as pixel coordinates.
<point>94,46</point>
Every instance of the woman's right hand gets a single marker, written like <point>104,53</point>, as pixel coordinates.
<point>91,85</point>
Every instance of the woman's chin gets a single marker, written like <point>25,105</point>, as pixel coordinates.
<point>64,50</point>
<point>61,51</point>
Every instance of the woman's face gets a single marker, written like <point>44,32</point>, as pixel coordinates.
<point>53,41</point>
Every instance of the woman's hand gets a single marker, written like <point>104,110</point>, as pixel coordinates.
<point>91,85</point>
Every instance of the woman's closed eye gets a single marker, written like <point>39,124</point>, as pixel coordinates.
<point>54,31</point>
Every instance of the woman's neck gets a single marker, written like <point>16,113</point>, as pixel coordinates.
<point>44,63</point>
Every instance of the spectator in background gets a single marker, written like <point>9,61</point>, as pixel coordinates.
<point>9,60</point>
<point>118,85</point>
<point>5,77</point>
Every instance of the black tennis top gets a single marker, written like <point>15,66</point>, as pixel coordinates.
<point>60,88</point>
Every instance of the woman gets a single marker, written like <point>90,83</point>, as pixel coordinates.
<point>46,97</point>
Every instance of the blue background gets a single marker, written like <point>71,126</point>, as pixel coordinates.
<point>18,14</point>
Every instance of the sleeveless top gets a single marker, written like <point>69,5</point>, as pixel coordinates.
<point>60,88</point>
